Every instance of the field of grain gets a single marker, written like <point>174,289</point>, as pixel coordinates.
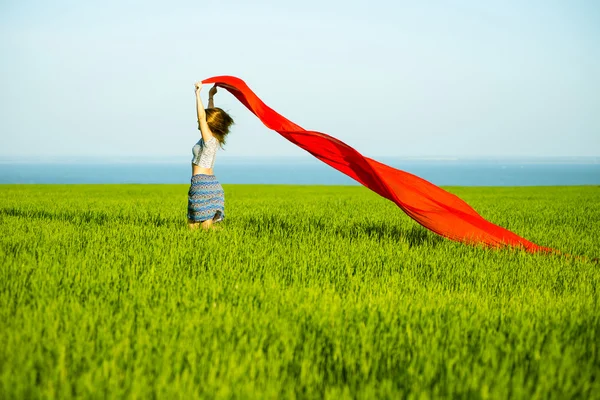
<point>306,292</point>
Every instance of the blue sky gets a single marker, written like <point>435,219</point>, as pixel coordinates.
<point>390,78</point>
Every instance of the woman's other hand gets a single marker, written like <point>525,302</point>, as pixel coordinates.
<point>198,86</point>
<point>213,91</point>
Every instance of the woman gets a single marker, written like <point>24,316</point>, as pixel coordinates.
<point>206,199</point>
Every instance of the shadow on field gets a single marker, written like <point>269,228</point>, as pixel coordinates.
<point>88,217</point>
<point>414,236</point>
<point>272,224</point>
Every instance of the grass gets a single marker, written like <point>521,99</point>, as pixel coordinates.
<point>307,292</point>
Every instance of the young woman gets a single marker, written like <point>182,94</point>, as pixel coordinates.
<point>206,199</point>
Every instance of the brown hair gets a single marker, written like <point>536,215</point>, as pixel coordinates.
<point>219,122</point>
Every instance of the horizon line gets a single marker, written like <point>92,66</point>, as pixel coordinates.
<point>176,159</point>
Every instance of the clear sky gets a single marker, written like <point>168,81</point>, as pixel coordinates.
<point>390,78</point>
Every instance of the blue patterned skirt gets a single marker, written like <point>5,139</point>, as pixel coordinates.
<point>206,199</point>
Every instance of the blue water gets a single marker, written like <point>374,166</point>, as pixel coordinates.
<point>311,172</point>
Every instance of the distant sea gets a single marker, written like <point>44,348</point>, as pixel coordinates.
<point>306,171</point>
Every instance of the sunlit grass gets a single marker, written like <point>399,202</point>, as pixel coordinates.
<point>310,292</point>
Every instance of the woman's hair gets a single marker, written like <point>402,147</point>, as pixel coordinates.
<point>219,122</point>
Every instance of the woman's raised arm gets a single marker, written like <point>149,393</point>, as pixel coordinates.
<point>202,124</point>
<point>211,93</point>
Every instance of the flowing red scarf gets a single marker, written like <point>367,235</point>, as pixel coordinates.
<point>429,205</point>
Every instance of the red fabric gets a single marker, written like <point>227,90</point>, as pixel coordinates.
<point>429,205</point>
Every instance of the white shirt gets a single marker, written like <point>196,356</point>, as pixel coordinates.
<point>204,153</point>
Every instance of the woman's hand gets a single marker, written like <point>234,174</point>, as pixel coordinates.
<point>213,91</point>
<point>198,86</point>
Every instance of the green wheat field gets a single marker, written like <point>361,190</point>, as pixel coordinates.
<point>307,292</point>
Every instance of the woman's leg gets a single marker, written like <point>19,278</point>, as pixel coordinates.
<point>206,225</point>
<point>193,225</point>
